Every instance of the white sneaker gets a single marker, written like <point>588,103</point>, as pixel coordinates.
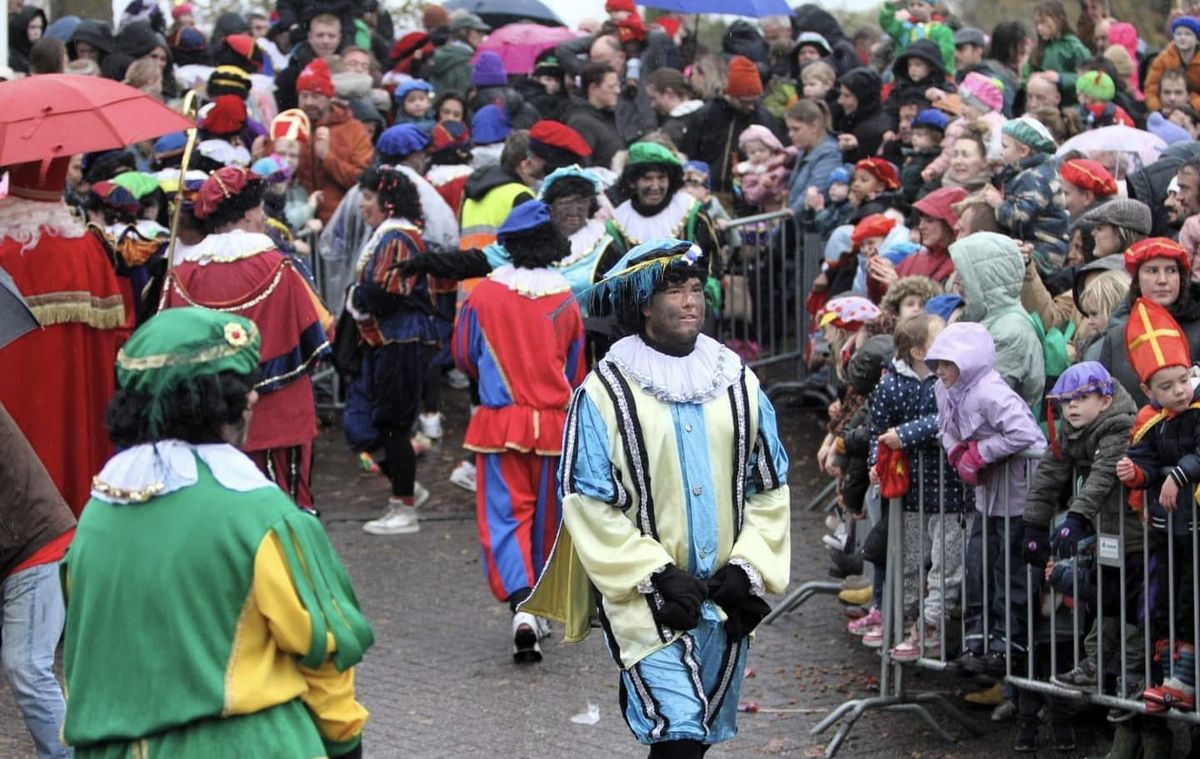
<point>526,633</point>
<point>464,476</point>
<point>834,542</point>
<point>431,425</point>
<point>399,519</point>
<point>457,380</point>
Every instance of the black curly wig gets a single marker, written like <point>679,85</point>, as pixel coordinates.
<point>234,208</point>
<point>397,194</point>
<point>536,248</point>
<point>194,412</point>
<point>573,187</point>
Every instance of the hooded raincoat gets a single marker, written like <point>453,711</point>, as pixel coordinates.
<point>991,270</point>
<point>868,122</point>
<point>981,408</point>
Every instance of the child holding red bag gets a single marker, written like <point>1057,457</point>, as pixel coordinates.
<point>982,423</point>
<point>904,418</point>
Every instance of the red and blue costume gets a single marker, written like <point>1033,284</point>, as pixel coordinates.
<point>520,335</point>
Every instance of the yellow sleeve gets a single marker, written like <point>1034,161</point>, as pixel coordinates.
<point>766,537</point>
<point>616,556</point>
<point>330,694</point>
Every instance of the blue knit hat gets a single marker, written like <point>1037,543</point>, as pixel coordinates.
<point>840,175</point>
<point>931,118</point>
<point>412,85</point>
<point>529,215</point>
<point>698,171</point>
<point>1081,379</point>
<point>943,305</point>
<point>170,142</point>
<point>401,140</point>
<point>1191,22</point>
<point>490,125</point>
<point>488,71</point>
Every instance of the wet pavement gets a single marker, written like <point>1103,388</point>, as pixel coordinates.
<point>440,682</point>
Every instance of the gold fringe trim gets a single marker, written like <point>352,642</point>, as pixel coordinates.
<point>79,307</point>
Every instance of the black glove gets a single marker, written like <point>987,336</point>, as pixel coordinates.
<point>682,595</point>
<point>410,267</point>
<point>742,621</point>
<point>729,588</point>
<point>1035,545</point>
<point>1072,530</point>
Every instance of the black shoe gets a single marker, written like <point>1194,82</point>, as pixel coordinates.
<point>992,663</point>
<point>845,564</point>
<point>1027,738</point>
<point>1064,737</point>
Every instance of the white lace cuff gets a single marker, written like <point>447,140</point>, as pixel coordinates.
<point>646,586</point>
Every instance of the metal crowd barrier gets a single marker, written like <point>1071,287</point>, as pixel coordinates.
<point>766,280</point>
<point>1035,648</point>
<point>327,383</point>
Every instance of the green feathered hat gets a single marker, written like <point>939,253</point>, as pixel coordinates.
<point>179,345</point>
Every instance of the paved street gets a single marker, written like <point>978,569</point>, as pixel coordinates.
<point>440,683</point>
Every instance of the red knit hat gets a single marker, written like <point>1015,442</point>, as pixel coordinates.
<point>1087,174</point>
<point>875,225</point>
<point>669,24</point>
<point>882,170</point>
<point>315,78</point>
<point>743,80</point>
<point>939,204</point>
<point>39,180</point>
<point>555,134</point>
<point>632,29</point>
<point>616,6</point>
<point>1153,340</point>
<point>226,115</point>
<point>1157,247</point>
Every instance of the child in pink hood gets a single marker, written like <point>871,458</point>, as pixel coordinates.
<point>1125,34</point>
<point>765,172</point>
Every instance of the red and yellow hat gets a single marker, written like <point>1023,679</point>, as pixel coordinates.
<point>1157,247</point>
<point>1154,340</point>
<point>875,225</point>
<point>1087,174</point>
<point>882,170</point>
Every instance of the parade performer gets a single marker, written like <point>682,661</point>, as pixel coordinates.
<point>675,506</point>
<point>658,206</point>
<point>227,623</point>
<point>397,324</point>
<point>237,269</point>
<point>65,273</point>
<point>525,308</point>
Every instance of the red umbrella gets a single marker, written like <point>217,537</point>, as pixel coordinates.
<point>52,115</point>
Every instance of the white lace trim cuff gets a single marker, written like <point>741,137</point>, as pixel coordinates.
<point>756,581</point>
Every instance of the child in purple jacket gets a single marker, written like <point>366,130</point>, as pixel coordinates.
<point>983,423</point>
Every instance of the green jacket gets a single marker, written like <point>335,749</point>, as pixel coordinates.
<point>906,32</point>
<point>1063,55</point>
<point>1084,477</point>
<point>991,271</point>
<point>450,70</point>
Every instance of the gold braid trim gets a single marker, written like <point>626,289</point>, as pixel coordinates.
<point>240,306</point>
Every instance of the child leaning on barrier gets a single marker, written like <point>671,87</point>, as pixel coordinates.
<point>904,417</point>
<point>1091,433</point>
<point>982,424</point>
<point>1164,465</point>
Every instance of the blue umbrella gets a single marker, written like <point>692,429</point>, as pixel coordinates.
<point>498,13</point>
<point>752,8</point>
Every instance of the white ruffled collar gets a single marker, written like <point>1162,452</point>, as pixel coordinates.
<point>227,247</point>
<point>137,474</point>
<point>669,222</point>
<point>698,377</point>
<point>532,283</point>
<point>585,240</point>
